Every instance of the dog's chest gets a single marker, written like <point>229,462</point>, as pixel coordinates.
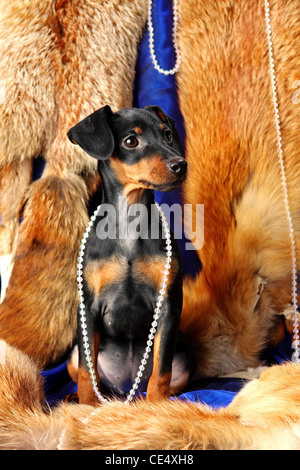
<point>123,291</point>
<point>115,270</point>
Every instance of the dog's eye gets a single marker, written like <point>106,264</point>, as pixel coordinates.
<point>169,135</point>
<point>131,142</point>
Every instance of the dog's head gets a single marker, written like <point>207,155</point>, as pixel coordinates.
<point>142,146</point>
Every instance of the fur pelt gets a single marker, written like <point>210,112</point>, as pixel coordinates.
<point>60,61</point>
<point>232,308</point>
<point>265,415</point>
<point>39,311</point>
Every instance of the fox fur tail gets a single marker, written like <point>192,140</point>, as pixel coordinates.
<point>39,312</point>
<point>264,415</point>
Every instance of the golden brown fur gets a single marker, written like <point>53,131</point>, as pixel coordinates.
<point>245,424</point>
<point>60,61</point>
<point>39,311</point>
<point>231,147</point>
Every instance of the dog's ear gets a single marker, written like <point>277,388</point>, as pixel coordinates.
<point>165,119</point>
<point>161,114</point>
<point>94,135</point>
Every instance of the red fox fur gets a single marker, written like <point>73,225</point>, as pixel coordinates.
<point>265,415</point>
<point>39,311</point>
<point>60,61</point>
<point>232,309</point>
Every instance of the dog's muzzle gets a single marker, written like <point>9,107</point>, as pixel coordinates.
<point>178,166</point>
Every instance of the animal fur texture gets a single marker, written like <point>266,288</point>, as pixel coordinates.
<point>232,308</point>
<point>60,60</point>
<point>39,311</point>
<point>265,415</point>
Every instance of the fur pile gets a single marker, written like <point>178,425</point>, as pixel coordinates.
<point>232,309</point>
<point>248,423</point>
<point>60,61</point>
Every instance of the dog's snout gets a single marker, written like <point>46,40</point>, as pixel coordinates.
<point>178,166</point>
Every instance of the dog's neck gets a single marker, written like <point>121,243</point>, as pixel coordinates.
<point>132,212</point>
<point>113,190</point>
<point>130,215</point>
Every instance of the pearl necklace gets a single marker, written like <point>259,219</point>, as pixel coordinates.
<point>295,345</point>
<point>152,332</point>
<point>157,309</point>
<point>175,43</point>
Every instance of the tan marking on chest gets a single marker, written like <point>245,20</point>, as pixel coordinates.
<point>98,274</point>
<point>101,273</point>
<point>151,270</point>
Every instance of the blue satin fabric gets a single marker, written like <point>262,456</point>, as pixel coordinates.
<point>152,88</point>
<point>216,392</point>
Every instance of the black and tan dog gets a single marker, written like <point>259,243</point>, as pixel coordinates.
<point>138,150</point>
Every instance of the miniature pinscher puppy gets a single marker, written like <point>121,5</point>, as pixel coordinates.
<point>138,151</point>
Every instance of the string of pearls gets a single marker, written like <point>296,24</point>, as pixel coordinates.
<point>175,43</point>
<point>296,343</point>
<point>82,314</point>
<point>157,309</point>
<point>83,324</point>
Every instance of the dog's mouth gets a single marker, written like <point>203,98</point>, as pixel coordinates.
<point>167,186</point>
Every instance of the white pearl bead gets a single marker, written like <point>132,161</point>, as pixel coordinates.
<point>151,41</point>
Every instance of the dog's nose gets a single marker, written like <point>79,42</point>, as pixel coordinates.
<point>178,166</point>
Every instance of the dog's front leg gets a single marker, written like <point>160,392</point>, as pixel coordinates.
<point>164,346</point>
<point>86,394</point>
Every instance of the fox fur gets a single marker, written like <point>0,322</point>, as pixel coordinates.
<point>265,415</point>
<point>232,309</point>
<point>39,311</point>
<point>60,61</point>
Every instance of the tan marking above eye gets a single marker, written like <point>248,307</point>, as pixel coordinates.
<point>138,130</point>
